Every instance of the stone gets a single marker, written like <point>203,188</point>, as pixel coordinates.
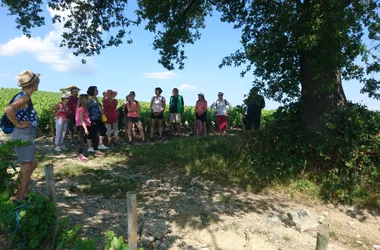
<point>163,246</point>
<point>302,220</point>
<point>274,218</point>
<point>156,228</point>
<point>172,212</point>
<point>321,218</point>
<point>193,181</point>
<point>325,213</point>
<point>146,239</point>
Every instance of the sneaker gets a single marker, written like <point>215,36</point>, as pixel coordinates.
<point>102,147</point>
<point>91,150</point>
<point>97,153</point>
<point>160,138</point>
<point>130,142</point>
<point>58,149</point>
<point>152,139</point>
<point>82,158</point>
<point>63,148</point>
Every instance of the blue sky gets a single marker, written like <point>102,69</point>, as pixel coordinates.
<point>135,66</point>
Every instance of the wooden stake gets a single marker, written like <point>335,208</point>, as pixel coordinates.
<point>322,241</point>
<point>50,184</point>
<point>132,219</point>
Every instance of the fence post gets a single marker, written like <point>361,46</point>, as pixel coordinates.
<point>132,219</point>
<point>322,241</point>
<point>50,184</point>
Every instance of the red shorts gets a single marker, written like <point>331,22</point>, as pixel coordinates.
<point>221,122</point>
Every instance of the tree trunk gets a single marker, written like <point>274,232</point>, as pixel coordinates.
<point>320,92</point>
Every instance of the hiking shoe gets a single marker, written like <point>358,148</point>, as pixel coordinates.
<point>63,148</point>
<point>102,147</point>
<point>58,149</point>
<point>82,158</point>
<point>98,153</point>
<point>91,150</point>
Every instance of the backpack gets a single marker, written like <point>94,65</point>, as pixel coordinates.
<point>225,102</point>
<point>6,125</point>
<point>162,100</point>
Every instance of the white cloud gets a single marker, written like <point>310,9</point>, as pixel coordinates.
<point>160,75</point>
<point>186,86</point>
<point>47,50</point>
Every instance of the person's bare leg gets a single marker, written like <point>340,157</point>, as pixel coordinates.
<point>101,139</point>
<point>152,127</point>
<point>141,129</point>
<point>178,128</point>
<point>27,169</point>
<point>205,128</point>
<point>126,131</point>
<point>130,131</point>
<point>160,127</point>
<point>172,128</point>
<point>89,143</point>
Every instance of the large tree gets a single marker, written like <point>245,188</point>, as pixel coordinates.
<point>297,50</point>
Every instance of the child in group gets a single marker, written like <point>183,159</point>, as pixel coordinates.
<point>83,123</point>
<point>125,108</point>
<point>133,116</point>
<point>200,115</point>
<point>61,122</point>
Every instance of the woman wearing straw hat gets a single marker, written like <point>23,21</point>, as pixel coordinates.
<point>22,114</point>
<point>109,109</point>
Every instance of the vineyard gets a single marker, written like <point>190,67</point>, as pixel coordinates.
<point>43,101</point>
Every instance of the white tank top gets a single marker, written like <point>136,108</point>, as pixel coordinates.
<point>157,103</point>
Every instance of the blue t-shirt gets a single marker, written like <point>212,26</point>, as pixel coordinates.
<point>26,114</point>
<point>94,112</point>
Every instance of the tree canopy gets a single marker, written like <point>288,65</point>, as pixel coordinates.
<point>297,50</point>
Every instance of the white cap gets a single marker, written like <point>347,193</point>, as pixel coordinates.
<point>65,97</point>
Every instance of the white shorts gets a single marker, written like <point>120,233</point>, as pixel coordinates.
<point>175,118</point>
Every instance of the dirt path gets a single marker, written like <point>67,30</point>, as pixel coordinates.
<point>176,211</point>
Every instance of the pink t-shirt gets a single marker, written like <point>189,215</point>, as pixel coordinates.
<point>86,118</point>
<point>133,114</point>
<point>200,106</point>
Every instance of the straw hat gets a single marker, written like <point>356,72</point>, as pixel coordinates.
<point>27,78</point>
<point>110,94</point>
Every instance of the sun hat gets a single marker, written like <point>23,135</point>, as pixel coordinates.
<point>201,94</point>
<point>27,78</point>
<point>65,97</point>
<point>220,93</point>
<point>109,94</point>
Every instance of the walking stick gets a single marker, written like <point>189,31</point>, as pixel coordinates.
<point>52,127</point>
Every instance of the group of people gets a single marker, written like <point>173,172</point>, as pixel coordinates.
<point>95,120</point>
